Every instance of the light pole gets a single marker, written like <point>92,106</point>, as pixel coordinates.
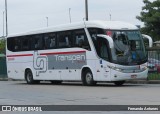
<point>70,15</point>
<point>6,18</point>
<point>47,21</point>
<point>3,23</point>
<point>110,17</point>
<point>86,9</point>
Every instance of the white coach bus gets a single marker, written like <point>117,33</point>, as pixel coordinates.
<point>90,52</point>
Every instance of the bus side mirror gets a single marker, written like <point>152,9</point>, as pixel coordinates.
<point>149,39</point>
<point>109,39</point>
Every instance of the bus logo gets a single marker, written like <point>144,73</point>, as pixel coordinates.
<point>70,58</point>
<point>39,63</point>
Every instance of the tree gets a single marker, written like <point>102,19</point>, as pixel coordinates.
<point>150,15</point>
<point>2,46</point>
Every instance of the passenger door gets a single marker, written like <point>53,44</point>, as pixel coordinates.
<point>103,71</point>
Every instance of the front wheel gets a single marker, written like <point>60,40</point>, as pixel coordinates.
<point>119,83</point>
<point>87,78</point>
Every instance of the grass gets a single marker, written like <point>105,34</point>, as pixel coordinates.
<point>153,76</point>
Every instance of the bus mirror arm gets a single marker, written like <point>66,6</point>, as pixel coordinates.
<point>109,39</point>
<point>149,39</point>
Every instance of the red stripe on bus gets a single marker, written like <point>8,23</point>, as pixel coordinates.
<point>53,53</point>
<point>56,53</point>
<point>20,55</point>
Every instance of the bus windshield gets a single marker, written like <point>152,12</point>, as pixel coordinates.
<point>128,47</point>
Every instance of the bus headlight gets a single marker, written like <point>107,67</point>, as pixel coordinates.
<point>118,69</point>
<point>115,68</point>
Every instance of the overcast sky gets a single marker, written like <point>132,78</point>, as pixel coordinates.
<point>27,15</point>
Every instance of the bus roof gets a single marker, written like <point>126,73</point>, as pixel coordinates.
<point>113,25</point>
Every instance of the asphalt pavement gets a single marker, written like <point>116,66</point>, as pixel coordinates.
<point>130,81</point>
<point>73,93</point>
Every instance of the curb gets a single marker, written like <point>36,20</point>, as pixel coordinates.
<point>144,82</point>
<point>3,79</point>
<point>9,79</point>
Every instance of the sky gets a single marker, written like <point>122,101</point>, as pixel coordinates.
<point>28,15</point>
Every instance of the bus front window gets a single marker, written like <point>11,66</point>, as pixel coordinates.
<point>128,48</point>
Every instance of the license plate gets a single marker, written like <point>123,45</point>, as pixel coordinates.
<point>133,76</point>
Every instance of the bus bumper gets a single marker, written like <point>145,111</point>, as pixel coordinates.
<point>118,76</point>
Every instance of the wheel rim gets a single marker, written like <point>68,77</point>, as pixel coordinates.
<point>88,78</point>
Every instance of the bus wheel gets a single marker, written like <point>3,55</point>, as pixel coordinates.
<point>29,77</point>
<point>119,83</point>
<point>56,82</point>
<point>88,78</point>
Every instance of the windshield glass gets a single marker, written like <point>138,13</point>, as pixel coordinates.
<point>129,47</point>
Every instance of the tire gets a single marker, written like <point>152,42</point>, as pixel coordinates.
<point>87,78</point>
<point>56,82</point>
<point>29,77</point>
<point>119,83</point>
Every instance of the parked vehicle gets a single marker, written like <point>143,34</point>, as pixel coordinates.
<point>86,51</point>
<point>153,65</point>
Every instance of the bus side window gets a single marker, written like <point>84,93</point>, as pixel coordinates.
<point>68,38</point>
<point>50,41</point>
<point>61,40</point>
<point>11,44</point>
<point>93,33</point>
<point>81,39</point>
<point>36,45</point>
<point>37,42</point>
<point>64,39</point>
<point>46,42</point>
<point>25,44</point>
<point>17,44</point>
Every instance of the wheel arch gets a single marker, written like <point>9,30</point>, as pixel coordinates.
<point>26,69</point>
<point>84,69</point>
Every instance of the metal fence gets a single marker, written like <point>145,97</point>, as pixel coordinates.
<point>3,67</point>
<point>154,63</point>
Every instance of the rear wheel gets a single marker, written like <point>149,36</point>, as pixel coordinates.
<point>119,83</point>
<point>29,77</point>
<point>87,78</point>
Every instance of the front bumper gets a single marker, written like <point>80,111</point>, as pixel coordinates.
<point>118,76</point>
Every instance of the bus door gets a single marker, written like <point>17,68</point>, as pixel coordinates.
<point>102,48</point>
